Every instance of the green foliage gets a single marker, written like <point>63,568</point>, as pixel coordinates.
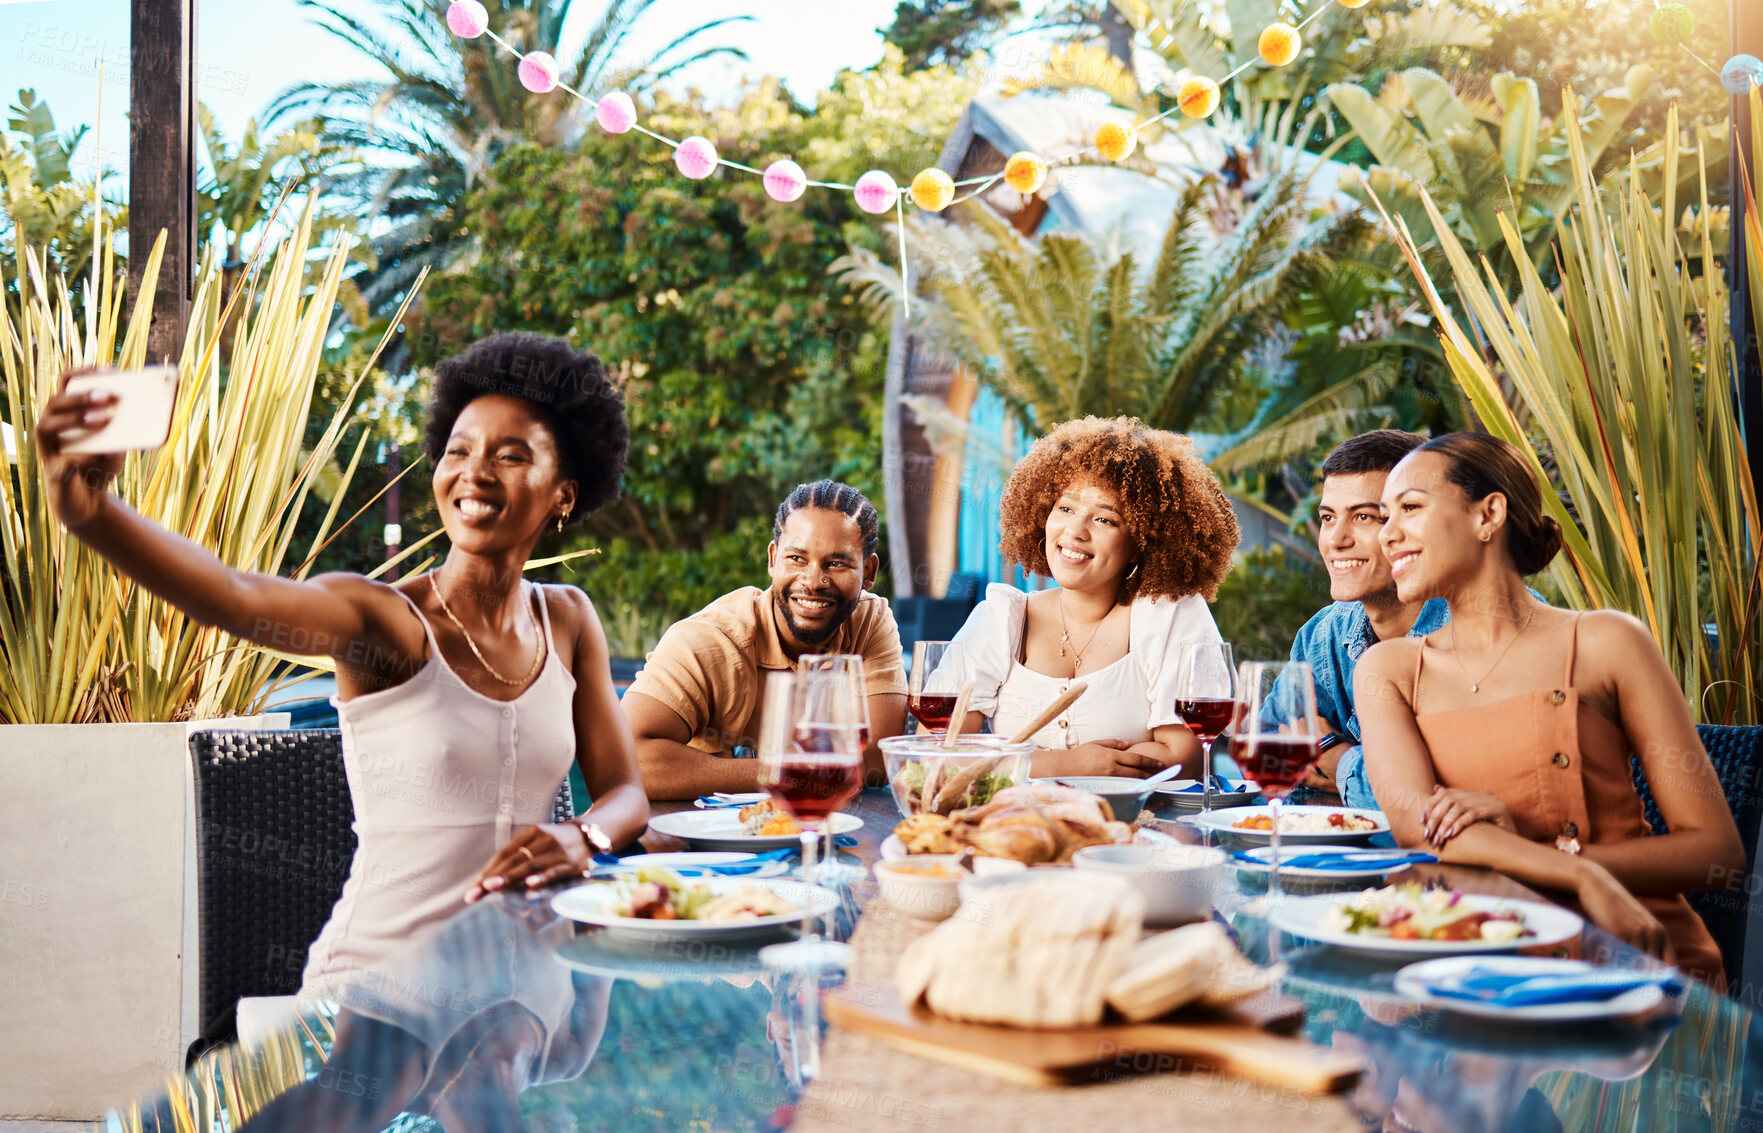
<point>947,31</point>
<point>1266,599</point>
<point>447,108</point>
<point>246,181</point>
<point>43,205</point>
<point>743,373</point>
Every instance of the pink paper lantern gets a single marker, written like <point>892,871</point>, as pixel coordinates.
<point>696,157</point>
<point>467,19</point>
<point>785,181</point>
<point>538,72</point>
<point>615,112</point>
<point>876,191</point>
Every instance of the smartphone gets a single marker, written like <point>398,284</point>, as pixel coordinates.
<point>141,415</point>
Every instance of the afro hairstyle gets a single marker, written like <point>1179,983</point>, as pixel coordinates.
<point>568,388</point>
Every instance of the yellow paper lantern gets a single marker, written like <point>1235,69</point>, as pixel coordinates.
<point>1280,44</point>
<point>1354,3</point>
<point>1197,97</point>
<point>932,190</point>
<point>1025,172</point>
<point>1115,141</point>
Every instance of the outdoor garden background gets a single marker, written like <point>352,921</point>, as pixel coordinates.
<point>1548,153</point>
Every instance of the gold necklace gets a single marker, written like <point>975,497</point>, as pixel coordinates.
<point>1065,636</point>
<point>1474,685</point>
<point>482,660</point>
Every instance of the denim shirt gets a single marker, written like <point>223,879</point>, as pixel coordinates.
<point>1332,642</point>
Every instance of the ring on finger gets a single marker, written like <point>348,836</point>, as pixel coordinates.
<point>527,852</point>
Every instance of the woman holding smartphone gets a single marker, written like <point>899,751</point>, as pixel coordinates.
<point>463,693</point>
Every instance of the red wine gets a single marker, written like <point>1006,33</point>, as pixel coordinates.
<point>815,788</point>
<point>863,737</point>
<point>933,711</point>
<point>1275,763</point>
<point>1206,717</point>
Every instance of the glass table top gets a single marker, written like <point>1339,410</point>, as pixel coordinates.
<point>509,1017</point>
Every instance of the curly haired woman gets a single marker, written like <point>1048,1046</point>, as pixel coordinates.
<point>464,693</point>
<point>1138,534</point>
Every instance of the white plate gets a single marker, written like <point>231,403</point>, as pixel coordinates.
<point>658,960</point>
<point>1548,924</point>
<point>1173,793</point>
<point>1412,980</point>
<point>721,830</point>
<point>892,849</point>
<point>688,859</point>
<point>591,904</point>
<point>1225,823</point>
<point>1263,856</point>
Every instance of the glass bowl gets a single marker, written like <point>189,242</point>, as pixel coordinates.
<point>966,774</point>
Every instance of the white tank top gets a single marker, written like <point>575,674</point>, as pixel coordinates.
<point>441,777</point>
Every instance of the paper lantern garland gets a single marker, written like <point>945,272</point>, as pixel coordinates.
<point>538,72</point>
<point>1280,44</point>
<point>467,19</point>
<point>784,181</point>
<point>695,157</point>
<point>1115,141</point>
<point>1354,3</point>
<point>875,192</point>
<point>615,112</point>
<point>1671,24</point>
<point>1741,73</point>
<point>1025,172</point>
<point>1198,97</point>
<point>932,190</point>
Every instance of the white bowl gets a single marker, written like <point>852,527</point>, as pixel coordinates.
<point>1179,883</point>
<point>923,885</point>
<point>1125,797</point>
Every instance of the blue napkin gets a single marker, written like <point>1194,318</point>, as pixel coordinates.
<point>1351,862</point>
<point>1219,787</point>
<point>716,802</point>
<point>1507,989</point>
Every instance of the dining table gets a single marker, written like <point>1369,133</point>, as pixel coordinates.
<point>510,1017</point>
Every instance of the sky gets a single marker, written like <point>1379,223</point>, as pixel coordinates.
<point>248,50</point>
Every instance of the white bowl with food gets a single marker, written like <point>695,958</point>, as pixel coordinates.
<point>925,886</point>
<point>1298,825</point>
<point>928,776</point>
<point>1179,883</point>
<point>1125,797</point>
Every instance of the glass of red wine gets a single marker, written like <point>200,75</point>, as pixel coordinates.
<point>1206,689</point>
<point>811,763</point>
<point>1275,737</point>
<point>850,667</point>
<point>931,692</point>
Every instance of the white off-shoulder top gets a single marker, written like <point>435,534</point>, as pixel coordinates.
<point>1126,699</point>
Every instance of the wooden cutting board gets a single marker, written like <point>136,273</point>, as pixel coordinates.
<point>1235,1042</point>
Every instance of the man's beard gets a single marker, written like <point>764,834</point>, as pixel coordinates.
<point>842,608</point>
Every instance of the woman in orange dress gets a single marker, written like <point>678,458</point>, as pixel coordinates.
<point>1503,739</point>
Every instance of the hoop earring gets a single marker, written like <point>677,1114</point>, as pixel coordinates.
<point>1133,571</point>
<point>1486,535</point>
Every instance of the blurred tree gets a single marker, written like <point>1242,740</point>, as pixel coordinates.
<point>43,205</point>
<point>448,107</point>
<point>928,32</point>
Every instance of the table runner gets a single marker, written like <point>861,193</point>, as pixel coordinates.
<point>865,1084</point>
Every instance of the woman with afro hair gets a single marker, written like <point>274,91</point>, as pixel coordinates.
<point>1138,534</point>
<point>465,692</point>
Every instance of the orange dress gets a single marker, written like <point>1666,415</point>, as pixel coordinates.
<point>1561,768</point>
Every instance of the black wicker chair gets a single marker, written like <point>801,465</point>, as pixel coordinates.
<point>274,843</point>
<point>1737,753</point>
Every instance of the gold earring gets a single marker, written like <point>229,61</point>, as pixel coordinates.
<point>1485,535</point>
<point>559,523</point>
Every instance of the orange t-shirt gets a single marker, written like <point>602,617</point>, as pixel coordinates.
<point>710,667</point>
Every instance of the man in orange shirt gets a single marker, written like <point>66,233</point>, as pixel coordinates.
<point>698,697</point>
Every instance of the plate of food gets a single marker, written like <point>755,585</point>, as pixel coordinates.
<point>656,901</point>
<point>1297,824</point>
<point>1539,989</point>
<point>1325,862</point>
<point>1033,823</point>
<point>762,826</point>
<point>1184,794</point>
<point>1425,920</point>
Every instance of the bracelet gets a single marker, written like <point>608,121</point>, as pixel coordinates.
<point>595,837</point>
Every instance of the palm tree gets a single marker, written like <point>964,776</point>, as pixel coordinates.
<point>448,107</point>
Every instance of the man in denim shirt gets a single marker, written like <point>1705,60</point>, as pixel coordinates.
<point>1365,610</point>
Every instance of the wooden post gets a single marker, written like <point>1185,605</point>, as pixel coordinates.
<point>162,161</point>
<point>1747,38</point>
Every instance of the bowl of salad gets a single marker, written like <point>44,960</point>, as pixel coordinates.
<point>654,900</point>
<point>927,777</point>
<point>1421,919</point>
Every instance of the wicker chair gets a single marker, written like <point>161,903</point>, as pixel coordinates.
<point>274,843</point>
<point>1737,753</point>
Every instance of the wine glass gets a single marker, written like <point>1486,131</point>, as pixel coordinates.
<point>1275,740</point>
<point>1205,697</point>
<point>931,695</point>
<point>811,763</point>
<point>850,667</point>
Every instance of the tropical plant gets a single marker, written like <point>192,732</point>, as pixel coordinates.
<point>244,182</point>
<point>1486,159</point>
<point>80,643</point>
<point>1635,415</point>
<point>43,205</point>
<point>448,107</point>
<point>1061,326</point>
<point>928,32</point>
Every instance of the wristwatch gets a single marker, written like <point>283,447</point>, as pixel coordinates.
<point>1333,739</point>
<point>597,839</point>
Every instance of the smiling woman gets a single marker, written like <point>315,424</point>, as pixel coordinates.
<point>463,694</point>
<point>1138,534</point>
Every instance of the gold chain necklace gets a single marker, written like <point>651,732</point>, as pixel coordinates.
<point>1475,685</point>
<point>1065,636</point>
<point>478,653</point>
